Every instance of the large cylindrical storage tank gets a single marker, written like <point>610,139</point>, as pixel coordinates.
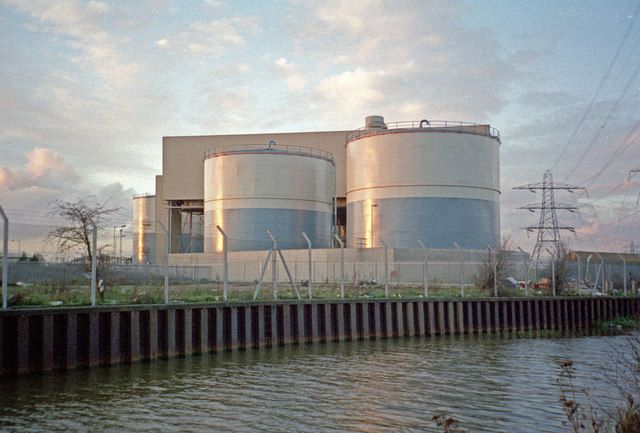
<point>251,189</point>
<point>144,229</point>
<point>435,182</point>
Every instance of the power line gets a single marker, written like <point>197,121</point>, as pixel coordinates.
<point>599,224</point>
<point>612,190</point>
<point>622,68</point>
<point>600,86</point>
<point>623,208</point>
<point>619,150</point>
<point>605,122</point>
<point>624,204</point>
<point>607,194</point>
<point>635,215</point>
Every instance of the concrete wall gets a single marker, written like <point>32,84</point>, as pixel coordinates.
<point>64,339</point>
<point>361,264</point>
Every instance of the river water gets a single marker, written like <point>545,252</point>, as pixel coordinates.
<point>488,383</point>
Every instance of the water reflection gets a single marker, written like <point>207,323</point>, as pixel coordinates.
<point>489,383</point>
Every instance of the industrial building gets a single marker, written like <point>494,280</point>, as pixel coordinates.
<point>397,185</point>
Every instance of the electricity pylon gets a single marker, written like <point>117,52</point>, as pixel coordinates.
<point>548,228</point>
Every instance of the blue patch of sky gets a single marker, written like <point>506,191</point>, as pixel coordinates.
<point>576,38</point>
<point>576,41</point>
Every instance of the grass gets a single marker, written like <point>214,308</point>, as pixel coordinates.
<point>78,293</point>
<point>620,324</point>
<point>135,294</point>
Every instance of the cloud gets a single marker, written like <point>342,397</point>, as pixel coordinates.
<point>83,94</point>
<point>97,6</point>
<point>116,196</point>
<point>353,91</point>
<point>82,26</point>
<point>27,194</point>
<point>294,78</point>
<point>216,4</point>
<point>213,37</point>
<point>41,161</point>
<point>373,56</point>
<point>44,168</point>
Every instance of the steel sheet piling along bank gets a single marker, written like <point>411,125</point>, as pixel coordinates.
<point>438,185</point>
<point>41,340</point>
<point>251,189</point>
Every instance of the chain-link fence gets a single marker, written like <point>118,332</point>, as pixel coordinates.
<point>37,242</point>
<point>41,271</point>
<point>64,283</point>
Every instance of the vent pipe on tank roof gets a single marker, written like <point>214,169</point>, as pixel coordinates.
<point>374,122</point>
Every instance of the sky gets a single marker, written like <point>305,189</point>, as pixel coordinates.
<point>88,90</point>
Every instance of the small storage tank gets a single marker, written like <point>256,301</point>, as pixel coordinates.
<point>432,181</point>
<point>144,229</point>
<point>251,189</point>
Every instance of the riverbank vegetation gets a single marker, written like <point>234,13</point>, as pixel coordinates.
<point>78,293</point>
<point>620,324</point>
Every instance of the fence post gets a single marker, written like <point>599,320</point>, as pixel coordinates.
<point>624,273</point>
<point>461,268</point>
<point>5,259</point>
<point>225,264</point>
<point>306,238</point>
<point>166,262</point>
<point>274,265</point>
<point>553,271</point>
<point>425,269</point>
<point>493,259</point>
<point>263,270</point>
<point>553,275</point>
<point>94,264</point>
<point>578,279</point>
<point>386,268</point>
<point>341,265</point>
<point>286,269</point>
<point>602,263</point>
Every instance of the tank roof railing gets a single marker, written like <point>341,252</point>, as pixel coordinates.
<point>144,195</point>
<point>428,126</point>
<point>270,148</point>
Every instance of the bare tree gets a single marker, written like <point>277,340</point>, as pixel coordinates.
<point>561,258</point>
<point>503,260</point>
<point>80,215</point>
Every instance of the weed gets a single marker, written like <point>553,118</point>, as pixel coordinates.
<point>447,423</point>
<point>620,324</point>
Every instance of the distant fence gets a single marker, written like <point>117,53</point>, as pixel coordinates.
<point>39,272</point>
<point>439,274</point>
<point>43,283</point>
